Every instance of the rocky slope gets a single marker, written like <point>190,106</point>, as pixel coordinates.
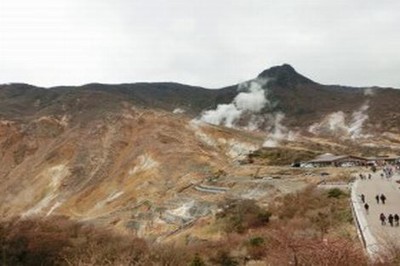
<point>122,164</point>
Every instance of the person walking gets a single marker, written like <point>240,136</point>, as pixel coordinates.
<point>362,198</point>
<point>377,198</point>
<point>383,198</point>
<point>382,217</point>
<point>369,176</point>
<point>390,218</point>
<point>396,219</point>
<point>366,207</point>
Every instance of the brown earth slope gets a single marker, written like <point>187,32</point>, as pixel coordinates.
<point>112,167</point>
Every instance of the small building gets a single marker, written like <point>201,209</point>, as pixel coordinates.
<point>329,159</point>
<point>382,160</point>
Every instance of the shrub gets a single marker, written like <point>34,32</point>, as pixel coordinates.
<point>197,261</point>
<point>256,248</point>
<point>285,247</point>
<point>224,259</point>
<point>335,193</point>
<point>240,215</point>
<point>314,210</point>
<point>256,241</point>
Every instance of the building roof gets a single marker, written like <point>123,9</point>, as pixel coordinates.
<point>382,158</point>
<point>328,157</point>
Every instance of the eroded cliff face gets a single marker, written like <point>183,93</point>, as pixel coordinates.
<point>130,168</point>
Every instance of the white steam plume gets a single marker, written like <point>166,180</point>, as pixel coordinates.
<point>335,124</point>
<point>251,100</point>
<point>278,132</point>
<point>178,111</point>
<point>369,92</point>
<point>337,121</point>
<point>357,120</point>
<point>245,112</point>
<point>225,114</point>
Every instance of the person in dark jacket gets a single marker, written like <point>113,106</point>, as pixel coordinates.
<point>382,217</point>
<point>377,198</point>
<point>390,218</point>
<point>396,219</point>
<point>366,207</point>
<point>363,198</point>
<point>383,198</point>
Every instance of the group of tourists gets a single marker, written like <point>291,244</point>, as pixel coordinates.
<point>392,219</point>
<point>381,198</point>
<point>378,198</point>
<point>364,177</point>
<point>387,172</point>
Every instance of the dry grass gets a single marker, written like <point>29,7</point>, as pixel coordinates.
<point>302,231</point>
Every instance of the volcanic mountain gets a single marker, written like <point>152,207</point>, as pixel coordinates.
<point>302,100</point>
<point>136,156</point>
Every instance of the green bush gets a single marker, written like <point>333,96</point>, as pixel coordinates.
<point>224,259</point>
<point>197,261</point>
<point>240,215</point>
<point>257,241</point>
<point>335,193</point>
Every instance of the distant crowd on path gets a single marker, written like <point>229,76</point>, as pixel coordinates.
<point>364,177</point>
<point>387,171</point>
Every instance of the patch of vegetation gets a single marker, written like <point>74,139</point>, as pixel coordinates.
<point>319,210</point>
<point>19,154</point>
<point>197,261</point>
<point>59,241</point>
<point>241,215</point>
<point>224,259</point>
<point>281,156</point>
<point>335,193</point>
<point>256,241</point>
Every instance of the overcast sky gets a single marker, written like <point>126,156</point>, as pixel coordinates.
<point>211,43</point>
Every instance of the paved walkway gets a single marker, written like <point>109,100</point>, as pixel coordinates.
<point>377,237</point>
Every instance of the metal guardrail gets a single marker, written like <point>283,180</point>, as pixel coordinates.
<point>371,245</point>
<point>211,189</point>
<point>357,222</point>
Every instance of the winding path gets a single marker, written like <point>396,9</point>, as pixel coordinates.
<point>375,236</point>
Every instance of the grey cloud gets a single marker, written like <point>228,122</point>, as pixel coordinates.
<point>207,43</point>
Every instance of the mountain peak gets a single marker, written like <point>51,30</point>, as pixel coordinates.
<point>285,76</point>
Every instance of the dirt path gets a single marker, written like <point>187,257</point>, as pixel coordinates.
<point>384,235</point>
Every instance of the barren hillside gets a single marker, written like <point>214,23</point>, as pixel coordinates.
<point>141,157</point>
